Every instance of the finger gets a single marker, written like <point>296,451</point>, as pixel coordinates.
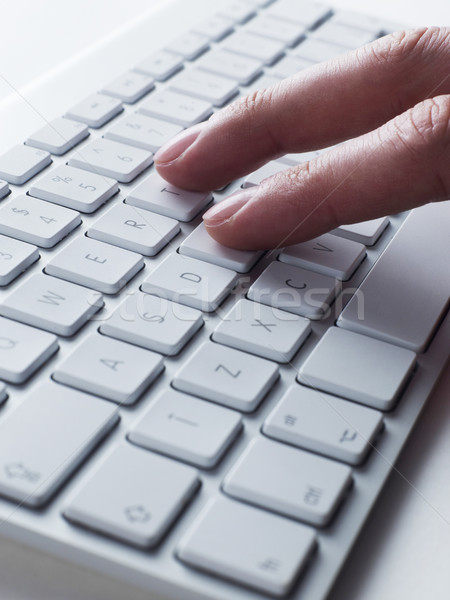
<point>316,108</point>
<point>401,165</point>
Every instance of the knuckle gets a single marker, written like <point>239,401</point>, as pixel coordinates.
<point>424,131</point>
<point>426,126</point>
<point>407,48</point>
<point>257,111</point>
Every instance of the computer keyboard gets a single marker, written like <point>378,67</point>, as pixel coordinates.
<point>201,421</point>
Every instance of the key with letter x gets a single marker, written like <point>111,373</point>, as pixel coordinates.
<point>262,330</point>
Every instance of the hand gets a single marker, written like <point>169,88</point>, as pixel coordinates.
<point>394,94</point>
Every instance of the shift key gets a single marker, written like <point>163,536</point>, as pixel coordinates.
<point>405,295</point>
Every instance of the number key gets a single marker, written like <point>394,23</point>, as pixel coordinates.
<point>37,222</point>
<point>74,188</point>
<point>15,257</point>
<point>112,159</point>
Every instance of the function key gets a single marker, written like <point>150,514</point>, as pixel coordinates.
<point>257,549</point>
<point>134,495</point>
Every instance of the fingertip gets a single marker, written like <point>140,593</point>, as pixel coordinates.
<point>177,146</point>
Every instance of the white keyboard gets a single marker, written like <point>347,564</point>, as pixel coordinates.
<point>204,422</point>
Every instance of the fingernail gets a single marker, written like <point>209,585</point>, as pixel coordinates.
<point>179,144</point>
<point>223,211</point>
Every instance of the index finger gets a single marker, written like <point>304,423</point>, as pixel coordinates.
<point>318,107</point>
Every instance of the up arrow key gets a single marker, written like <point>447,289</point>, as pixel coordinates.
<point>327,254</point>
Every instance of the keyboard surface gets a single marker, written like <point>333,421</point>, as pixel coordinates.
<point>153,382</point>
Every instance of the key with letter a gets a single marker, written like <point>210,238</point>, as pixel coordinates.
<point>51,304</point>
<point>109,368</point>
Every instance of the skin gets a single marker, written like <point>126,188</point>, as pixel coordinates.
<point>391,99</point>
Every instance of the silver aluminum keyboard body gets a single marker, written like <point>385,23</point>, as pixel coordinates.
<point>159,570</point>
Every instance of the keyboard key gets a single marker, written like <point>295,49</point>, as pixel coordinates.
<point>177,108</point>
<point>296,290</point>
<point>215,27</point>
<point>189,45</point>
<point>109,368</point>
<point>309,14</point>
<point>252,547</point>
<point>359,368</point>
<point>59,136</point>
<point>155,194</point>
<point>134,229</point>
<point>267,170</point>
<point>130,87</point>
<point>74,188</point>
<point>307,487</point>
<point>21,163</point>
<point>405,299</point>
<point>37,222</point>
<point>187,428</point>
<point>296,158</point>
<point>283,31</point>
<point>160,65</point>
<point>96,110</point>
<point>112,159</point>
<point>15,257</point>
<point>322,423</point>
<point>3,392</point>
<point>153,323</point>
<point>242,69</point>
<point>143,132</point>
<point>199,244</point>
<point>134,496</point>
<point>51,304</point>
<point>237,11</point>
<point>342,34</point>
<point>46,438</point>
<point>262,330</point>
<point>254,46</point>
<point>96,265</point>
<point>226,376</point>
<point>289,65</point>
<point>191,282</point>
<point>23,350</point>
<point>367,232</point>
<point>317,50</point>
<point>358,20</point>
<point>260,3</point>
<point>4,189</point>
<point>206,86</point>
<point>327,254</point>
